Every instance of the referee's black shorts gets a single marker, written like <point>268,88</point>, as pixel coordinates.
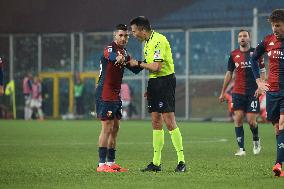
<point>161,94</point>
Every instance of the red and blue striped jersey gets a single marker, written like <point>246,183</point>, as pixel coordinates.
<point>110,79</point>
<point>240,63</point>
<point>275,50</point>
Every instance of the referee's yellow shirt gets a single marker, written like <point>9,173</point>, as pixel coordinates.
<point>157,49</point>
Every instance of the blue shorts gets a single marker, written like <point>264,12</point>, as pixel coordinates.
<point>274,105</point>
<point>107,110</point>
<point>247,103</point>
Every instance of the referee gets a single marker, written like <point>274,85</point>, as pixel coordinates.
<point>160,90</point>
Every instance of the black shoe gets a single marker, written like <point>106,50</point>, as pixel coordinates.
<point>180,167</point>
<point>152,167</point>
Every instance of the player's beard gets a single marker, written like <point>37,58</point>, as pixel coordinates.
<point>244,44</point>
<point>278,35</point>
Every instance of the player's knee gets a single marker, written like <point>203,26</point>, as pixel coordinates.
<point>107,127</point>
<point>252,123</point>
<point>114,130</point>
<point>238,122</point>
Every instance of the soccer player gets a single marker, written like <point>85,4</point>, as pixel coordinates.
<point>273,45</point>
<point>1,77</point>
<point>27,91</point>
<point>108,102</point>
<point>160,90</point>
<point>245,93</point>
<point>36,101</point>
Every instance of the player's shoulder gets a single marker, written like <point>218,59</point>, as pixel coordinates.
<point>269,38</point>
<point>235,51</point>
<point>109,48</point>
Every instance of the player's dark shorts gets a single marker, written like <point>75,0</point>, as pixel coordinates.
<point>274,105</point>
<point>247,103</point>
<point>108,110</point>
<point>161,94</point>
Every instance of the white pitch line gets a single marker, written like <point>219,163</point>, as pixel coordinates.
<point>119,143</point>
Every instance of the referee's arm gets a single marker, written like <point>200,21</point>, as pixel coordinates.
<point>153,66</point>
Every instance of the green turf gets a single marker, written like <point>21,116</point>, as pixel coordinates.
<point>63,154</point>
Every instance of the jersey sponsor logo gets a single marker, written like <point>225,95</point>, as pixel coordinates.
<point>271,43</point>
<point>276,54</point>
<point>157,54</point>
<point>243,64</point>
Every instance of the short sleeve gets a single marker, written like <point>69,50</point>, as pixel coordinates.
<point>231,64</point>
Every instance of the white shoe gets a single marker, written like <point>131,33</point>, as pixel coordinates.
<point>256,147</point>
<point>241,152</point>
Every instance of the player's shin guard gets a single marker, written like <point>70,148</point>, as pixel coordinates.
<point>177,142</point>
<point>240,136</point>
<point>280,147</point>
<point>102,154</point>
<point>254,131</point>
<point>158,143</point>
<point>111,155</point>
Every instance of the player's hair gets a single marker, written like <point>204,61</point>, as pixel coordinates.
<point>122,27</point>
<point>141,22</point>
<point>244,30</point>
<point>277,15</point>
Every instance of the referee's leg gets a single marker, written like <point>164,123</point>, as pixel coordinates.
<point>169,119</point>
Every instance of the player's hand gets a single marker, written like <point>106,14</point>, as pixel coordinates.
<point>221,98</point>
<point>120,60</point>
<point>258,93</point>
<point>263,86</point>
<point>1,90</point>
<point>146,94</point>
<point>133,62</point>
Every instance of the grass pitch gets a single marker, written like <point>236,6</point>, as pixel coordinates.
<point>63,154</point>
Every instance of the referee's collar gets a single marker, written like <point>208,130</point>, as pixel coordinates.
<point>151,36</point>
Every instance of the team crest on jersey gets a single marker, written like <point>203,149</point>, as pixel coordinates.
<point>109,113</point>
<point>109,49</point>
<point>271,43</point>
<point>237,56</point>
